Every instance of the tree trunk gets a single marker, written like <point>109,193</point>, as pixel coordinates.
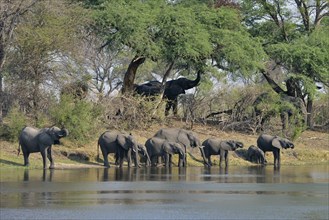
<point>129,78</point>
<point>309,109</point>
<point>1,98</point>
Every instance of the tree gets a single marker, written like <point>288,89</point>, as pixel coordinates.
<point>295,37</point>
<point>11,13</point>
<point>181,34</point>
<point>41,40</point>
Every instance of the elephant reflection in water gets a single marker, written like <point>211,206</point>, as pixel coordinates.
<point>44,175</point>
<point>211,174</point>
<point>120,174</point>
<point>263,174</point>
<point>32,197</point>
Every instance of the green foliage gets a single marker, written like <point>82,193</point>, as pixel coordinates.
<point>307,56</point>
<point>78,116</point>
<point>14,122</point>
<point>184,32</point>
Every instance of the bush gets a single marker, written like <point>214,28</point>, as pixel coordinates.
<point>13,124</point>
<point>80,117</point>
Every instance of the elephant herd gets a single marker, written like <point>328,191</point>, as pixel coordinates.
<point>162,146</point>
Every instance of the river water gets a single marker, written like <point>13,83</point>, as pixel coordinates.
<point>293,192</point>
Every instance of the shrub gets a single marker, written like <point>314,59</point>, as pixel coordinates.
<point>80,117</point>
<point>13,124</point>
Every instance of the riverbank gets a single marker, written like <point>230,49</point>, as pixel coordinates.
<point>312,147</point>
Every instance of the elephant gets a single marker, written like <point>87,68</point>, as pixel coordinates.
<point>173,88</point>
<point>215,146</point>
<point>273,143</point>
<point>184,137</point>
<point>297,107</point>
<point>157,147</point>
<point>142,151</point>
<point>33,140</point>
<point>151,88</point>
<point>121,144</point>
<point>256,155</point>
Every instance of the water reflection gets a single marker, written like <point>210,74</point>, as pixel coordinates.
<point>142,174</point>
<point>45,177</point>
<point>201,190</point>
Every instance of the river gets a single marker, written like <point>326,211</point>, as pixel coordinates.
<point>255,192</point>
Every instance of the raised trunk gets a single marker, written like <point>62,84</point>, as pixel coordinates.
<point>192,83</point>
<point>129,78</point>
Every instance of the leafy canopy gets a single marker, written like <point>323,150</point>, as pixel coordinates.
<point>188,32</point>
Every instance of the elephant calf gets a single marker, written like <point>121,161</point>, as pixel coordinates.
<point>256,155</point>
<point>157,147</point>
<point>214,146</point>
<point>273,143</point>
<point>33,140</point>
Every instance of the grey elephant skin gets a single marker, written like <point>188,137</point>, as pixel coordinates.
<point>273,143</point>
<point>157,147</point>
<point>173,88</point>
<point>33,140</point>
<point>184,137</point>
<point>142,151</point>
<point>120,144</point>
<point>256,155</point>
<point>215,146</point>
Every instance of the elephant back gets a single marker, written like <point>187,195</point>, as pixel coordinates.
<point>108,137</point>
<point>264,142</point>
<point>154,145</point>
<point>28,135</point>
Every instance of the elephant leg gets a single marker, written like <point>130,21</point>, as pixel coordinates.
<point>106,162</point>
<point>226,158</point>
<point>136,160</point>
<point>153,160</point>
<point>278,159</point>
<point>174,106</point>
<point>50,158</point>
<point>166,156</point>
<point>44,157</point>
<point>117,158</point>
<point>128,158</point>
<point>26,158</point>
<point>170,160</point>
<point>276,155</point>
<point>221,158</point>
<point>209,160</point>
<point>168,106</point>
<point>180,161</point>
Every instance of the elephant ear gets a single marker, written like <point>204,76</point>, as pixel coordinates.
<point>226,145</point>
<point>166,147</point>
<point>180,150</point>
<point>122,141</point>
<point>276,142</point>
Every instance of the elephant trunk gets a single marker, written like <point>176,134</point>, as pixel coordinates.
<point>204,156</point>
<point>65,132</point>
<point>148,158</point>
<point>192,83</point>
<point>136,158</point>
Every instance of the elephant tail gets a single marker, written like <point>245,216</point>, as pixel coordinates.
<point>97,151</point>
<point>19,149</point>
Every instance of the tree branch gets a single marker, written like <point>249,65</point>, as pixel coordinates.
<point>273,84</point>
